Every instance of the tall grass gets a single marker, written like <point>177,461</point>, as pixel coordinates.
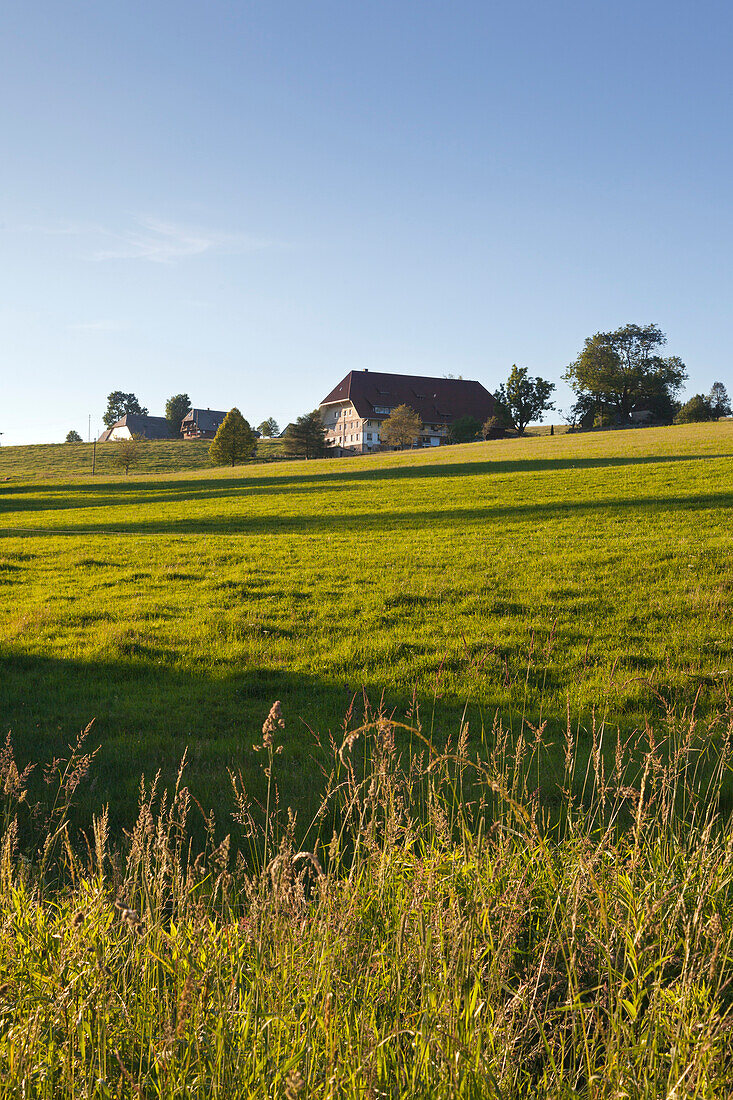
<point>437,930</point>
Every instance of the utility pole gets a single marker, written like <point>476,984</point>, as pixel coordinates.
<point>89,429</point>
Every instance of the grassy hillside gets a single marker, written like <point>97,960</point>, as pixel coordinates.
<point>582,574</point>
<point>45,460</point>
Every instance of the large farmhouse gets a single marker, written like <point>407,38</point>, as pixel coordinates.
<point>150,427</point>
<point>354,410</point>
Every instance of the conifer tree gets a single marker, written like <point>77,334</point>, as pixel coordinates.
<point>307,436</point>
<point>233,442</point>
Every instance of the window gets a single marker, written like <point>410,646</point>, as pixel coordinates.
<point>369,436</point>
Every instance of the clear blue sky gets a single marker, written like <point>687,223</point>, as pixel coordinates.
<point>245,200</point>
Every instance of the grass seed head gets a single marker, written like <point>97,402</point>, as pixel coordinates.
<point>272,724</point>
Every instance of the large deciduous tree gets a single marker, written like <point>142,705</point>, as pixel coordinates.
<point>234,441</point>
<point>306,438</point>
<point>73,437</point>
<point>119,404</point>
<point>522,398</point>
<point>622,371</point>
<point>176,408</point>
<point>401,428</point>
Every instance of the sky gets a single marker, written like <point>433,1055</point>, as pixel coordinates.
<point>243,201</point>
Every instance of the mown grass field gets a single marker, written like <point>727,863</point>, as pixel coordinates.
<point>50,460</point>
<point>589,575</point>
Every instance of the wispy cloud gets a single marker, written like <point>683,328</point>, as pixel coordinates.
<point>152,239</point>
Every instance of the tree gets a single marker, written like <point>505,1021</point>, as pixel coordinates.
<point>523,399</point>
<point>493,428</point>
<point>306,438</point>
<point>268,428</point>
<point>176,408</point>
<point>464,430</point>
<point>617,372</point>
<point>127,452</point>
<point>698,408</point>
<point>74,437</point>
<point>119,404</point>
<point>719,400</point>
<point>401,428</point>
<point>234,440</point>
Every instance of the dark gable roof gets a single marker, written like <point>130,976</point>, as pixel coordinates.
<point>152,427</point>
<point>206,420</point>
<point>436,400</point>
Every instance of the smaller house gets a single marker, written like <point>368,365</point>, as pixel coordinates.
<point>149,427</point>
<point>201,423</point>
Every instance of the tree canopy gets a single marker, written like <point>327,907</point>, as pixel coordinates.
<point>176,408</point>
<point>73,437</point>
<point>719,400</point>
<point>268,427</point>
<point>127,452</point>
<point>522,398</point>
<point>621,371</point>
<point>306,438</point>
<point>401,428</point>
<point>233,442</point>
<point>119,404</point>
<point>464,430</point>
<point>697,409</point>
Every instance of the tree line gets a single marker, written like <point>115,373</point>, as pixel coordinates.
<point>619,378</point>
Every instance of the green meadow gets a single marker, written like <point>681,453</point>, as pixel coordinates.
<point>587,576</point>
<point>51,460</point>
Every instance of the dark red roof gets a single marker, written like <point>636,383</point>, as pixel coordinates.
<point>436,400</point>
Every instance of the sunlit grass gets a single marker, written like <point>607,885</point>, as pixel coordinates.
<point>520,577</point>
<point>51,460</point>
<point>434,934</point>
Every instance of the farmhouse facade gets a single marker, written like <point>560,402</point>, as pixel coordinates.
<point>201,423</point>
<point>150,427</point>
<point>353,412</point>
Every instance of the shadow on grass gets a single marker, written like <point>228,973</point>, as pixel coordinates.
<point>334,522</point>
<point>146,716</point>
<point>70,495</point>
